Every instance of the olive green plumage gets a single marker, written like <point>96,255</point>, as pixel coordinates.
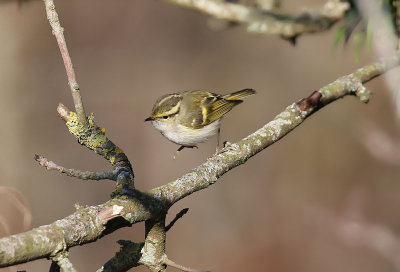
<point>197,109</point>
<point>191,117</point>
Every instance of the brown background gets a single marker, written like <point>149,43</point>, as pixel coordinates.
<point>268,215</point>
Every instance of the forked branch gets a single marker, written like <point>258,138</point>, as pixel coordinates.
<point>88,224</point>
<point>131,206</point>
<point>54,21</point>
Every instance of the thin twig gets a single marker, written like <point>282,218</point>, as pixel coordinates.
<point>54,21</point>
<point>181,267</point>
<point>177,217</point>
<point>85,226</point>
<point>84,175</point>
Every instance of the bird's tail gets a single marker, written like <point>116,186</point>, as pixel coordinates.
<point>239,94</point>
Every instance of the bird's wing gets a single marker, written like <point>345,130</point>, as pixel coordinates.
<point>215,107</point>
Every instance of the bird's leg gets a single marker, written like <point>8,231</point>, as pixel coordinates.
<point>182,147</point>
<point>218,133</point>
<point>224,145</point>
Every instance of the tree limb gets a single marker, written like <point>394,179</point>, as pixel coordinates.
<point>267,22</point>
<point>94,138</point>
<point>236,154</point>
<point>83,127</point>
<point>88,224</point>
<point>128,257</point>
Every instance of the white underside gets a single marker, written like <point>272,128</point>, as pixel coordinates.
<point>185,136</point>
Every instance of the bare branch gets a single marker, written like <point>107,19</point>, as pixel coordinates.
<point>127,257</point>
<point>54,21</point>
<point>94,138</point>
<point>153,252</point>
<point>181,267</point>
<point>84,175</point>
<point>238,153</point>
<point>133,254</point>
<point>61,261</point>
<point>177,217</point>
<point>261,21</point>
<point>86,225</point>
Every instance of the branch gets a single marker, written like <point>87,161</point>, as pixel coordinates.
<point>153,252</point>
<point>84,128</point>
<point>127,257</point>
<point>236,154</point>
<point>54,21</point>
<point>177,217</point>
<point>262,21</point>
<point>181,267</point>
<point>88,224</point>
<point>133,254</point>
<point>61,261</point>
<point>84,175</point>
<point>94,138</point>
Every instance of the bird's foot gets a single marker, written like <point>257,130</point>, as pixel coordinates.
<point>223,149</point>
<point>182,147</point>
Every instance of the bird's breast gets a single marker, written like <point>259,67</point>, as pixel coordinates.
<point>183,135</point>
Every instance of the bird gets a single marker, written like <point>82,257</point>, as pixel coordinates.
<point>191,117</point>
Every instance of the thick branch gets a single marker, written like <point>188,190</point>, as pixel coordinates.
<point>153,252</point>
<point>133,254</point>
<point>88,224</point>
<point>54,21</point>
<point>261,21</point>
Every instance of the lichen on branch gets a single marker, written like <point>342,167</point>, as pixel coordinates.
<point>94,138</point>
<point>85,225</point>
<point>269,22</point>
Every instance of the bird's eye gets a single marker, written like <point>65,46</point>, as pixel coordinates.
<point>165,117</point>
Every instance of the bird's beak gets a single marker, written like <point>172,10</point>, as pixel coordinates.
<point>149,119</point>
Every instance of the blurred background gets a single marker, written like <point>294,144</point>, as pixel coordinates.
<point>310,202</point>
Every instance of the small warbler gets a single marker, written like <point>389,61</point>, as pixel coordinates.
<point>191,117</point>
